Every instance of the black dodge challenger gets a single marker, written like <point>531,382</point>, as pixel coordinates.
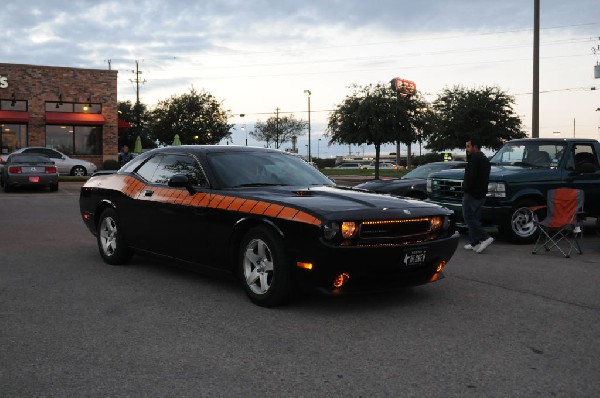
<point>267,216</point>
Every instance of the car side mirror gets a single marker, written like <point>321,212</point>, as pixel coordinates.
<point>181,181</point>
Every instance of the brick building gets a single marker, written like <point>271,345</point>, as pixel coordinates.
<point>72,110</point>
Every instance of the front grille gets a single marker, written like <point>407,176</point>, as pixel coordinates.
<point>447,188</point>
<point>396,231</point>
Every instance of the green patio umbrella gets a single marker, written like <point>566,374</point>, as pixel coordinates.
<point>176,140</point>
<point>138,145</point>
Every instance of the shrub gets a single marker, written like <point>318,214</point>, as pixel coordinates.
<point>110,164</point>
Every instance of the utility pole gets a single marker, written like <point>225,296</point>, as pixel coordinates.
<point>137,81</point>
<point>277,128</point>
<point>535,122</point>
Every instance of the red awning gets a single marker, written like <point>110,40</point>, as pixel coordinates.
<point>74,118</point>
<point>14,116</point>
<point>124,124</point>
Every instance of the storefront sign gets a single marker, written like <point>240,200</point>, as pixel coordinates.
<point>3,81</point>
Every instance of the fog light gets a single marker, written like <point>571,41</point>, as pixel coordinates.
<point>440,266</point>
<point>341,280</point>
<point>308,266</point>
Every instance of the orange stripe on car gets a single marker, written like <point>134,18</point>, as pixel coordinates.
<point>134,188</point>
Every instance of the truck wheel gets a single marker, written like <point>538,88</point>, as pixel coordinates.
<point>520,228</point>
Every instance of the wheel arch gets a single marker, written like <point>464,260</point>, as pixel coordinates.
<point>240,229</point>
<point>100,207</point>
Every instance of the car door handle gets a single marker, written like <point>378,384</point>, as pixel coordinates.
<point>148,192</point>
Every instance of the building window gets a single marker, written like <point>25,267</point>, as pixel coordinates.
<point>13,105</point>
<point>14,136</point>
<point>75,140</point>
<point>73,107</point>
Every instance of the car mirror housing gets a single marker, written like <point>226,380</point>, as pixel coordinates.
<point>181,181</point>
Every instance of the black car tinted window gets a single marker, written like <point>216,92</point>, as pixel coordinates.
<point>147,170</point>
<point>238,169</point>
<point>179,164</point>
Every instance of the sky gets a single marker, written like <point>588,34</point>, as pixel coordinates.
<point>259,56</point>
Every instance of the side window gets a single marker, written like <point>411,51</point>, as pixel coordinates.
<point>179,164</point>
<point>51,154</point>
<point>148,169</point>
<point>584,159</point>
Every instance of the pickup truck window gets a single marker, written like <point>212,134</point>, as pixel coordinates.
<point>533,154</point>
<point>584,159</point>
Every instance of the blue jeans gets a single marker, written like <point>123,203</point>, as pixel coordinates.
<point>471,208</point>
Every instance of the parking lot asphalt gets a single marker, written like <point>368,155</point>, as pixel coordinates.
<point>504,323</point>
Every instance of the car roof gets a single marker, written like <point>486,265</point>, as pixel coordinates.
<point>525,140</point>
<point>214,148</point>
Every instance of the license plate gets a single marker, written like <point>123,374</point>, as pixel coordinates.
<point>34,179</point>
<point>414,257</point>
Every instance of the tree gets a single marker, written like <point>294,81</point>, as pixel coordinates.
<point>460,113</point>
<point>278,129</point>
<point>197,117</point>
<point>374,114</point>
<point>128,112</point>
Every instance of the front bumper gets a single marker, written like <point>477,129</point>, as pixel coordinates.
<point>377,268</point>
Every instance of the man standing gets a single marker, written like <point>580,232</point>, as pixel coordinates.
<point>475,185</point>
<point>125,156</point>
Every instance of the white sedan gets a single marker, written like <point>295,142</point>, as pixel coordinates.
<point>382,166</point>
<point>64,164</point>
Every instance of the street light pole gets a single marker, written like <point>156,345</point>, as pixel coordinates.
<point>318,149</point>
<point>307,92</point>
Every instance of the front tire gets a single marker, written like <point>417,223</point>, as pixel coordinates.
<point>263,268</point>
<point>520,228</point>
<point>111,243</point>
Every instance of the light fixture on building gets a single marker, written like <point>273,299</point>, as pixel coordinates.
<point>59,103</point>
<point>14,100</point>
<point>89,104</point>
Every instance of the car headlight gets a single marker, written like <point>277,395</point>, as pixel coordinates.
<point>347,230</point>
<point>429,184</point>
<point>496,190</point>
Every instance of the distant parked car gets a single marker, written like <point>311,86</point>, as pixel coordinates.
<point>22,169</point>
<point>348,166</point>
<point>414,183</point>
<point>64,164</point>
<point>382,166</point>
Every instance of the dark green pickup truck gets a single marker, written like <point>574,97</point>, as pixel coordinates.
<point>522,173</point>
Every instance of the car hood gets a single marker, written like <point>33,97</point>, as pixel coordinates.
<point>331,202</point>
<point>505,173</point>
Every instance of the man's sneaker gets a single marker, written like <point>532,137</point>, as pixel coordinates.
<point>481,247</point>
<point>468,246</point>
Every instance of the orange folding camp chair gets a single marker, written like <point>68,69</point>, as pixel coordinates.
<point>561,229</point>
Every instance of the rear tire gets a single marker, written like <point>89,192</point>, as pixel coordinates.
<point>78,171</point>
<point>54,187</point>
<point>111,243</point>
<point>6,186</point>
<point>263,268</point>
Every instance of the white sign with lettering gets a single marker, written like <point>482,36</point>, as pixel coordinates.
<point>3,81</point>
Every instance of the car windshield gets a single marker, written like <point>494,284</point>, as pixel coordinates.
<point>424,170</point>
<point>531,154</point>
<point>247,169</point>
